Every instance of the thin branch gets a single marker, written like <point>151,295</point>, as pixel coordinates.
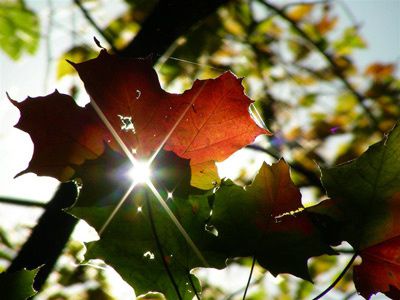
<point>22,202</point>
<point>250,275</point>
<point>333,284</point>
<point>349,13</point>
<point>291,4</point>
<point>346,251</point>
<point>48,44</point>
<point>102,32</point>
<point>255,282</point>
<point>350,295</point>
<point>160,249</point>
<point>328,57</point>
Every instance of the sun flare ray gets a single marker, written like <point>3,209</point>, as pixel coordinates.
<point>116,209</point>
<point>137,165</point>
<point>176,124</point>
<point>113,132</point>
<point>177,224</point>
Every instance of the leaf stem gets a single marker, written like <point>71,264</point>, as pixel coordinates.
<point>102,32</point>
<point>250,275</point>
<point>333,284</point>
<point>160,249</point>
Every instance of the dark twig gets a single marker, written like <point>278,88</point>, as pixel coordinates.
<point>159,247</point>
<point>291,4</point>
<point>253,283</point>
<point>250,275</point>
<point>349,296</point>
<point>333,284</point>
<point>22,202</point>
<point>102,32</point>
<point>328,57</point>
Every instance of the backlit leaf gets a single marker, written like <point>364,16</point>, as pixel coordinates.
<point>268,220</point>
<point>17,285</point>
<point>365,211</point>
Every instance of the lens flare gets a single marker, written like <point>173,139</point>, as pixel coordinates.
<point>140,172</point>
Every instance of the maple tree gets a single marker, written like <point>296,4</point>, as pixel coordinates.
<point>155,233</point>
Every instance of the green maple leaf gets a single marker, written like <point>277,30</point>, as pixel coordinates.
<point>365,211</point>
<point>17,285</point>
<point>256,221</point>
<point>129,242</point>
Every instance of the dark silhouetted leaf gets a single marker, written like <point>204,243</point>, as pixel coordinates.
<point>268,220</point>
<point>17,285</point>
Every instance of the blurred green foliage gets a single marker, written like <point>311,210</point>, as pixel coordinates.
<point>19,29</point>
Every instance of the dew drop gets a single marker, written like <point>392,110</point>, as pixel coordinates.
<point>170,107</point>
<point>138,94</point>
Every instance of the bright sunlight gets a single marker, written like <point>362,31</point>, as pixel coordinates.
<point>140,172</point>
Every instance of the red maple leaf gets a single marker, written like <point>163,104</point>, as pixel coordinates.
<point>206,123</point>
<point>380,270</point>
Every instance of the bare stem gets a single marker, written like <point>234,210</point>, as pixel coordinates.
<point>333,284</point>
<point>250,275</point>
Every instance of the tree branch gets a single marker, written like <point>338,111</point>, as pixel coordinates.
<point>103,33</point>
<point>168,21</point>
<point>48,238</point>
<point>22,202</point>
<point>328,57</point>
